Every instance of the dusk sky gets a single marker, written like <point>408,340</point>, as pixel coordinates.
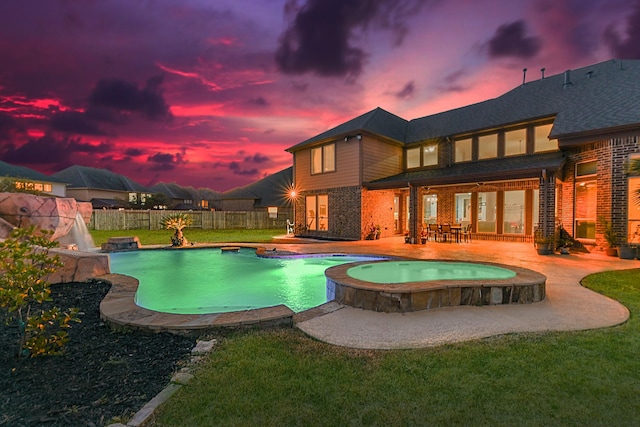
<point>209,93</point>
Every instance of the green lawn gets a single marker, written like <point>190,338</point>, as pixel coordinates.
<point>284,378</point>
<point>163,237</point>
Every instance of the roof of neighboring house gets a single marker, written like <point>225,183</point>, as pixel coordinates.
<point>377,121</point>
<point>87,177</point>
<point>12,171</point>
<point>175,191</point>
<point>209,194</point>
<point>599,97</point>
<point>269,191</point>
<point>518,167</point>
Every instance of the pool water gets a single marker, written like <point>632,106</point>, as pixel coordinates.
<point>204,281</point>
<point>421,271</point>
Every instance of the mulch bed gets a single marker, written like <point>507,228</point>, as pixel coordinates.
<point>104,376</point>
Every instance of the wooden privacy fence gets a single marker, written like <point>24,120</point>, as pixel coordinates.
<point>206,220</point>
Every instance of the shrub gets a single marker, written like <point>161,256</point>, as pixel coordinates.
<point>24,263</point>
<point>177,222</point>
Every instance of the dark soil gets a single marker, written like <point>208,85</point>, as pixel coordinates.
<point>104,376</point>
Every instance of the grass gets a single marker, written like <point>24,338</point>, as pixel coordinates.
<point>282,377</point>
<point>163,237</point>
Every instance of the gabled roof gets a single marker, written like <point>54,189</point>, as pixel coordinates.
<point>377,121</point>
<point>601,96</point>
<point>269,191</point>
<point>592,99</point>
<point>87,177</point>
<point>12,171</point>
<point>175,191</point>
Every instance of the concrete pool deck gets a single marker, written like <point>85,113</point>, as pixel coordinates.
<point>568,306</point>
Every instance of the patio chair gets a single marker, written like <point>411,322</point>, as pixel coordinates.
<point>456,229</point>
<point>434,231</point>
<point>466,233</point>
<point>445,232</point>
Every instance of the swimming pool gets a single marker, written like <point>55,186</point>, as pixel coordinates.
<point>199,281</point>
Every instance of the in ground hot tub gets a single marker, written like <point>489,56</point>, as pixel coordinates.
<point>413,285</point>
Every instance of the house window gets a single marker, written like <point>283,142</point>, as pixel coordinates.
<point>32,186</point>
<point>323,159</point>
<point>515,142</point>
<point>586,192</point>
<point>487,212</point>
<point>273,211</point>
<point>323,211</point>
<point>413,157</point>
<point>430,155</point>
<point>422,156</point>
<point>535,209</point>
<point>429,209</point>
<point>463,208</point>
<point>317,212</point>
<point>633,225</point>
<point>541,139</point>
<point>463,150</point>
<point>633,216</point>
<point>585,209</point>
<point>513,212</point>
<point>587,169</point>
<point>488,146</point>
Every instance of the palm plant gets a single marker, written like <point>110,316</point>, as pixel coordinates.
<point>177,222</point>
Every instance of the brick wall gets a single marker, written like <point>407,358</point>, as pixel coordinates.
<point>377,209</point>
<point>612,183</point>
<point>344,214</point>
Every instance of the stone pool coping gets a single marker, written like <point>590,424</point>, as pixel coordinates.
<point>526,287</point>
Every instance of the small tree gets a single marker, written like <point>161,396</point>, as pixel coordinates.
<point>24,262</point>
<point>177,222</point>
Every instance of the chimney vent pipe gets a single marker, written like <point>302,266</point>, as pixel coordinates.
<point>567,78</point>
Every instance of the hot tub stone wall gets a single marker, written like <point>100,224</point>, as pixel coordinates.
<point>525,288</point>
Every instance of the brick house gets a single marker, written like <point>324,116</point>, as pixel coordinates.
<point>552,151</point>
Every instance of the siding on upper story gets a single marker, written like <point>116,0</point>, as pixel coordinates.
<point>347,171</point>
<point>380,159</point>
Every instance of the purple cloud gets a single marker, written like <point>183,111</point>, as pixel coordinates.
<point>125,96</point>
<point>319,38</point>
<point>627,47</point>
<point>407,91</point>
<point>509,41</point>
<point>75,123</point>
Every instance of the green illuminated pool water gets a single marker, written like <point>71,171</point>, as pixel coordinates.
<point>208,281</point>
<point>421,271</point>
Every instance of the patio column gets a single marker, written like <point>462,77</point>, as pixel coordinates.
<point>414,215</point>
<point>547,214</point>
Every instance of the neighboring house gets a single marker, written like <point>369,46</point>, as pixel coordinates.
<point>550,152</point>
<point>269,194</point>
<point>103,188</point>
<point>210,198</point>
<point>181,198</point>
<point>29,179</point>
